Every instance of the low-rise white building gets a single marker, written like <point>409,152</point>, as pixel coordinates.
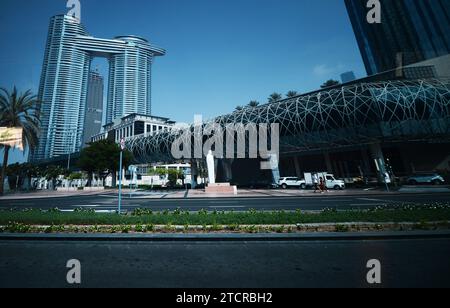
<point>134,125</point>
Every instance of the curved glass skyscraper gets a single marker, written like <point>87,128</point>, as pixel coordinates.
<point>64,82</point>
<point>411,31</point>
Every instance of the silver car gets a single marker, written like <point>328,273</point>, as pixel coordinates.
<point>429,178</point>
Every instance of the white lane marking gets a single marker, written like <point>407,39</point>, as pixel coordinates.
<point>242,198</point>
<point>377,200</point>
<point>226,207</point>
<point>96,211</point>
<point>224,202</point>
<point>368,204</point>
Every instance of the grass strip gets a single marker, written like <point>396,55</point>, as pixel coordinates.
<point>146,217</point>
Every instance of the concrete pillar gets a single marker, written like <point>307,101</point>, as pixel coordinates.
<point>347,169</point>
<point>341,169</point>
<point>298,171</point>
<point>227,165</point>
<point>377,155</point>
<point>216,165</point>
<point>336,169</point>
<point>328,162</point>
<point>6,187</point>
<point>275,165</point>
<point>194,174</point>
<point>365,163</point>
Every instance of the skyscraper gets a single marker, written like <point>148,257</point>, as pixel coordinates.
<point>348,77</point>
<point>410,31</point>
<point>94,107</point>
<point>64,82</point>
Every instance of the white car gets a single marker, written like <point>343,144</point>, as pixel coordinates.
<point>432,178</point>
<point>288,182</point>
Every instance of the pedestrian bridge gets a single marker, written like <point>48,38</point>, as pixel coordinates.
<point>364,113</point>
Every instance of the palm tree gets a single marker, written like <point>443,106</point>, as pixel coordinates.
<point>292,94</point>
<point>330,83</point>
<point>21,111</point>
<point>275,97</point>
<point>253,104</point>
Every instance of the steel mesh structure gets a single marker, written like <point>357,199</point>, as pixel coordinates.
<point>364,113</point>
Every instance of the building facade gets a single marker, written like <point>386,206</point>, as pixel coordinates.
<point>410,31</point>
<point>134,125</point>
<point>348,77</point>
<point>65,77</point>
<point>94,108</point>
<point>364,129</point>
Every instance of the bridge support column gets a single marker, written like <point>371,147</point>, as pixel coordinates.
<point>328,162</point>
<point>194,174</point>
<point>298,170</point>
<point>227,165</point>
<point>365,168</point>
<point>274,163</point>
<point>377,155</point>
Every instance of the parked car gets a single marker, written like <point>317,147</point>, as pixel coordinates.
<point>288,182</point>
<point>429,178</point>
<point>262,184</point>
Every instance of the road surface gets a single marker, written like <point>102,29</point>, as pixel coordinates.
<point>108,202</point>
<point>244,264</point>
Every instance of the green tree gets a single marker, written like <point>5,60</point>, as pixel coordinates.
<point>239,108</point>
<point>253,104</point>
<point>19,111</point>
<point>173,175</point>
<point>330,83</point>
<point>25,173</point>
<point>15,175</point>
<point>292,94</point>
<point>103,157</point>
<point>53,172</point>
<point>275,97</point>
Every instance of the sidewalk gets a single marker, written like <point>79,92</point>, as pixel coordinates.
<point>51,194</point>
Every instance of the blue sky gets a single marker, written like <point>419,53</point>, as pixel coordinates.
<point>220,53</point>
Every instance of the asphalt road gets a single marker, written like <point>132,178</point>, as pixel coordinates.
<point>272,264</point>
<point>108,202</point>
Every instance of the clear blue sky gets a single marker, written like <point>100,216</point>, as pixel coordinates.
<point>220,53</point>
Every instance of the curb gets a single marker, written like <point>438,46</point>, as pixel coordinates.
<point>306,237</point>
<point>286,197</point>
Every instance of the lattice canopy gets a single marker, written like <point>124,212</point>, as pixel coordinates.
<point>364,113</point>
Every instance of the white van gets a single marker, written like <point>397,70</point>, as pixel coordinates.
<point>331,182</point>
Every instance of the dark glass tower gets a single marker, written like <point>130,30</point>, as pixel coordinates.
<point>94,107</point>
<point>411,31</point>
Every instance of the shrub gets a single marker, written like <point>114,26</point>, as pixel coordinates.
<point>149,228</point>
<point>15,227</point>
<point>342,228</point>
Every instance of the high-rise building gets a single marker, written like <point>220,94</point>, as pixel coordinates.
<point>410,31</point>
<point>348,77</point>
<point>94,107</point>
<point>63,88</point>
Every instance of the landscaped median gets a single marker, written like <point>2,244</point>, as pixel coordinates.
<point>387,218</point>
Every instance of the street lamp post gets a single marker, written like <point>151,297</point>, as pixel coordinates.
<point>122,148</point>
